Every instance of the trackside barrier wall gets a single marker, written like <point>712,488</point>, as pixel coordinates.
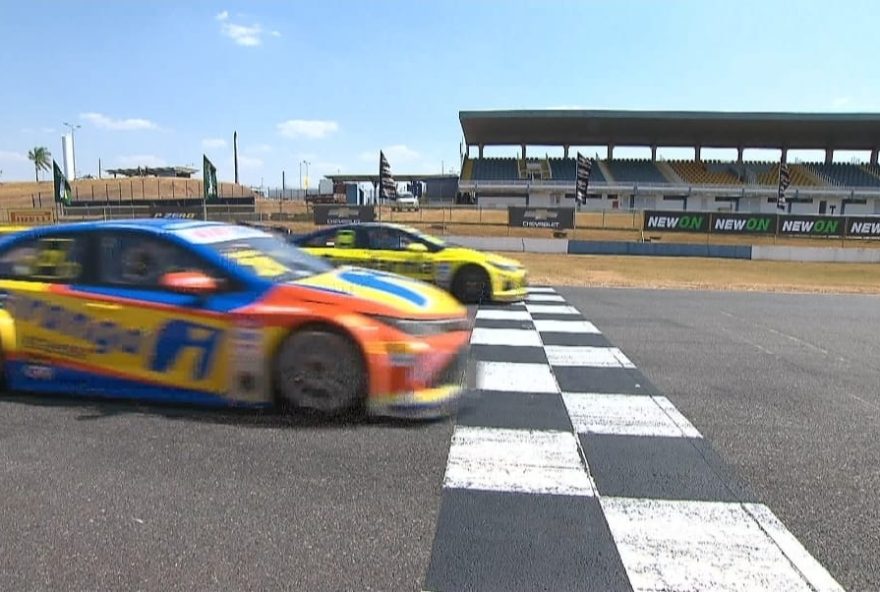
<point>576,247</point>
<point>822,254</point>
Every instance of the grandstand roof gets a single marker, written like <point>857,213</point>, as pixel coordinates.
<point>145,171</point>
<point>840,131</point>
<point>374,178</point>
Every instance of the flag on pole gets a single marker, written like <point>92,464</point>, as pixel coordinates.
<point>209,179</point>
<point>784,182</point>
<point>582,178</point>
<point>62,187</point>
<point>387,185</point>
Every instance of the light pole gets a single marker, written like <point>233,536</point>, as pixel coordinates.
<point>72,127</point>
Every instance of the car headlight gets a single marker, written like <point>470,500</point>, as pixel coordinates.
<point>422,327</point>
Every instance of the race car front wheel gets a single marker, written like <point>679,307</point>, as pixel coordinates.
<point>320,371</point>
<point>471,285</point>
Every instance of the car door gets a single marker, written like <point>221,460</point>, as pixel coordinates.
<point>393,250</point>
<point>179,345</point>
<point>49,334</point>
<point>339,246</point>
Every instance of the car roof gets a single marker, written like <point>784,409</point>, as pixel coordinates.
<point>156,225</point>
<point>358,225</point>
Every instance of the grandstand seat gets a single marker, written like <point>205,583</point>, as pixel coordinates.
<point>495,169</point>
<point>565,169</point>
<point>801,176</point>
<point>845,174</point>
<point>635,171</point>
<point>705,173</point>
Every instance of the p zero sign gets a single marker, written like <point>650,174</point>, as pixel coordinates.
<point>676,221</point>
<point>336,215</point>
<point>553,218</point>
<point>743,223</point>
<point>185,212</point>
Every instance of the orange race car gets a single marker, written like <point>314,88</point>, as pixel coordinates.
<point>219,314</point>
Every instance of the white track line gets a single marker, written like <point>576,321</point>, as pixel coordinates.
<point>540,290</point>
<point>493,459</point>
<point>544,298</point>
<point>696,545</point>
<point>810,569</point>
<point>512,337</point>
<point>552,308</point>
<point>626,415</point>
<point>566,327</point>
<point>509,376</point>
<point>504,315</point>
<point>595,357</point>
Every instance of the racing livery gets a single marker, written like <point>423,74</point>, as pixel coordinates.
<point>471,276</point>
<point>221,314</point>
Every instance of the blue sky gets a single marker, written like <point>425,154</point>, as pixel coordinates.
<point>332,82</point>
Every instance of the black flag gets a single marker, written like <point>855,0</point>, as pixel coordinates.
<point>62,187</point>
<point>209,179</point>
<point>784,182</point>
<point>387,185</point>
<point>582,178</point>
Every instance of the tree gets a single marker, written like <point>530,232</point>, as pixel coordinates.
<point>41,158</point>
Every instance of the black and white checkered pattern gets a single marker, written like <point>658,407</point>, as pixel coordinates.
<point>568,470</point>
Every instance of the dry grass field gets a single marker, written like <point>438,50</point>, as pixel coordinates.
<point>701,274</point>
<point>22,195</point>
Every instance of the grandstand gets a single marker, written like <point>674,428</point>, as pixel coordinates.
<point>740,185</point>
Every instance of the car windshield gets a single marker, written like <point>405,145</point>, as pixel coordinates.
<point>428,238</point>
<point>272,258</point>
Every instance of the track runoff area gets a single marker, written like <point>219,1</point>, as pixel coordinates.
<point>568,470</point>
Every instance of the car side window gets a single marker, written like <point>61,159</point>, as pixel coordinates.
<point>46,259</point>
<point>386,239</point>
<point>325,238</point>
<point>138,260</point>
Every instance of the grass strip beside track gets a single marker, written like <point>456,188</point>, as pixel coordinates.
<point>700,274</point>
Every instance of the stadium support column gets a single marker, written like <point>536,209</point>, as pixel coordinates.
<point>235,154</point>
<point>873,160</point>
<point>783,157</point>
<point>565,151</point>
<point>739,154</point>
<point>654,153</point>
<point>697,152</point>
<point>523,146</point>
<point>829,155</point>
<point>610,152</point>
<point>480,147</point>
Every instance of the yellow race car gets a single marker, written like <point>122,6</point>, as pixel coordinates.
<point>470,275</point>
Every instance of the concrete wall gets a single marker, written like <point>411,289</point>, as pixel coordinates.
<point>827,254</point>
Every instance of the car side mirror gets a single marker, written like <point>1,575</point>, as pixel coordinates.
<point>416,248</point>
<point>189,282</point>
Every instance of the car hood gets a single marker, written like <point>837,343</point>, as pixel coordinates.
<point>377,292</point>
<point>454,253</point>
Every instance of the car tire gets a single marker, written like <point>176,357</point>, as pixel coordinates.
<point>321,372</point>
<point>471,285</point>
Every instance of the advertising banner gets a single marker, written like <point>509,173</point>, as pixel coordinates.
<point>810,226</point>
<point>731,223</point>
<point>335,215</point>
<point>552,218</point>
<point>676,221</point>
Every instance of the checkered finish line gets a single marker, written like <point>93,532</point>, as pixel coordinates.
<point>568,470</point>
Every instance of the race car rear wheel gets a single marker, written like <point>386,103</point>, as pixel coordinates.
<point>320,371</point>
<point>471,285</point>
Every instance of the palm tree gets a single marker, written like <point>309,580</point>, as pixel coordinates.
<point>42,159</point>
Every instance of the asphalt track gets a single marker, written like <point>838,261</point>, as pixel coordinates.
<point>786,387</point>
<point>100,495</point>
